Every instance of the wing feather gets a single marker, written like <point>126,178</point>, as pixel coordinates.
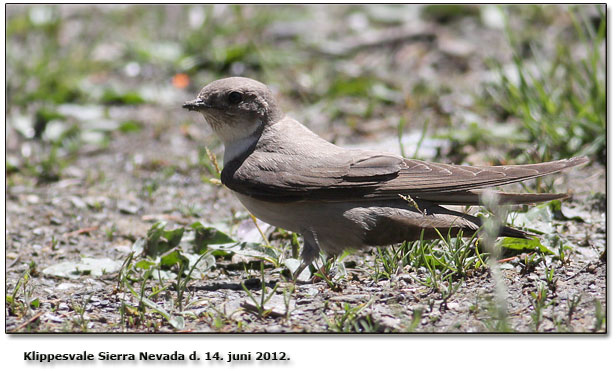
<point>290,163</point>
<point>380,177</point>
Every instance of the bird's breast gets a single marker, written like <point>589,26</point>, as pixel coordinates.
<point>282,215</point>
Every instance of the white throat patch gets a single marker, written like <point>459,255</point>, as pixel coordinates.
<point>235,148</point>
<point>230,129</point>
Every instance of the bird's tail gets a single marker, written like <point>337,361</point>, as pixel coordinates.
<point>512,232</point>
<point>471,223</point>
<point>474,197</point>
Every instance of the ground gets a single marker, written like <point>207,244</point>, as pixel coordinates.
<point>136,163</point>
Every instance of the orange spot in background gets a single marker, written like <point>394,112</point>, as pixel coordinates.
<point>181,80</point>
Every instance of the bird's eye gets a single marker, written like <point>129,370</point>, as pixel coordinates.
<point>235,97</point>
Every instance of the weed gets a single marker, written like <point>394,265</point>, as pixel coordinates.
<point>110,232</point>
<point>391,259</point>
<point>415,319</point>
<point>149,188</point>
<point>600,317</point>
<point>539,302</point>
<point>219,319</point>
<point>264,297</point>
<point>207,160</point>
<point>287,293</point>
<point>162,253</point>
<point>81,320</point>
<point>218,322</point>
<point>497,319</point>
<point>23,306</point>
<point>443,260</point>
<point>564,252</point>
<point>549,275</point>
<point>350,320</point>
<point>265,240</point>
<point>424,131</point>
<point>562,99</point>
<point>550,279</point>
<point>190,209</point>
<point>54,243</point>
<point>450,288</point>
<point>177,321</point>
<point>529,263</point>
<point>401,125</point>
<point>332,265</point>
<point>295,246</point>
<point>182,284</point>
<point>572,304</point>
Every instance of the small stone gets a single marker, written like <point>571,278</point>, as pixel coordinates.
<point>350,298</point>
<point>389,322</point>
<point>32,199</point>
<point>274,328</point>
<point>67,286</point>
<point>127,208</point>
<point>53,318</point>
<point>78,202</point>
<point>506,266</point>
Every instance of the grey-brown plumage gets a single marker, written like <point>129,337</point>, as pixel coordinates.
<point>339,198</point>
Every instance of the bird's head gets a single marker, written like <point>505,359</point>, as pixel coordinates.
<point>236,107</point>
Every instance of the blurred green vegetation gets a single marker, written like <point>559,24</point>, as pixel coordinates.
<point>67,65</point>
<point>560,101</point>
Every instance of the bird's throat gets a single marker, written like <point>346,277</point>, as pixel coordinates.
<point>238,147</point>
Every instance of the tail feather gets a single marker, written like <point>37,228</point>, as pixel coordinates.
<point>512,232</point>
<point>470,223</point>
<point>472,198</point>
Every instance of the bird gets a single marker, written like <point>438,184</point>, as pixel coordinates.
<point>338,198</point>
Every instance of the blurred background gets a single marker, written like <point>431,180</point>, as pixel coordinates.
<point>521,83</point>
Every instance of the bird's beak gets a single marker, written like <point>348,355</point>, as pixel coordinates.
<point>195,105</point>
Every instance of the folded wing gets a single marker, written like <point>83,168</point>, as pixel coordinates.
<point>355,175</point>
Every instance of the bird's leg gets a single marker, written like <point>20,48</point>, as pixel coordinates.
<point>299,270</point>
<point>309,252</point>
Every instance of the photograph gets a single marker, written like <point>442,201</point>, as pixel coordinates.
<point>304,169</point>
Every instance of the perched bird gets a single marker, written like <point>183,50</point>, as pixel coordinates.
<point>339,198</point>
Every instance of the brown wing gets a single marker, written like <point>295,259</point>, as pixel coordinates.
<point>428,177</point>
<point>346,175</point>
<point>290,177</point>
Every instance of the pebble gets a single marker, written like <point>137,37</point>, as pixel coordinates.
<point>53,318</point>
<point>67,286</point>
<point>78,202</point>
<point>32,199</point>
<point>350,298</point>
<point>389,322</point>
<point>127,208</point>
